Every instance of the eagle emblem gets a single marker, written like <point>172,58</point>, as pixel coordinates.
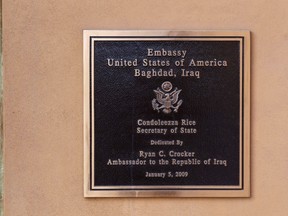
<point>167,100</point>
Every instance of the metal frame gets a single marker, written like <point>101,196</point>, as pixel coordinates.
<point>243,190</point>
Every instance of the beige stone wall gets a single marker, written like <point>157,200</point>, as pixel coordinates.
<point>43,102</point>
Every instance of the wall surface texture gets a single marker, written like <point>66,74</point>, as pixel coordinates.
<point>43,102</point>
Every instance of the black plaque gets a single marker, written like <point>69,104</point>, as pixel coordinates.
<point>166,113</point>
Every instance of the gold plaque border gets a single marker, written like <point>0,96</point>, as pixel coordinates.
<point>243,190</point>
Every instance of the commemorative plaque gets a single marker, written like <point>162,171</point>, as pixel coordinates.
<point>166,113</point>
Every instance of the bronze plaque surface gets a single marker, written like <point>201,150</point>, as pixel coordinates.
<point>166,113</point>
